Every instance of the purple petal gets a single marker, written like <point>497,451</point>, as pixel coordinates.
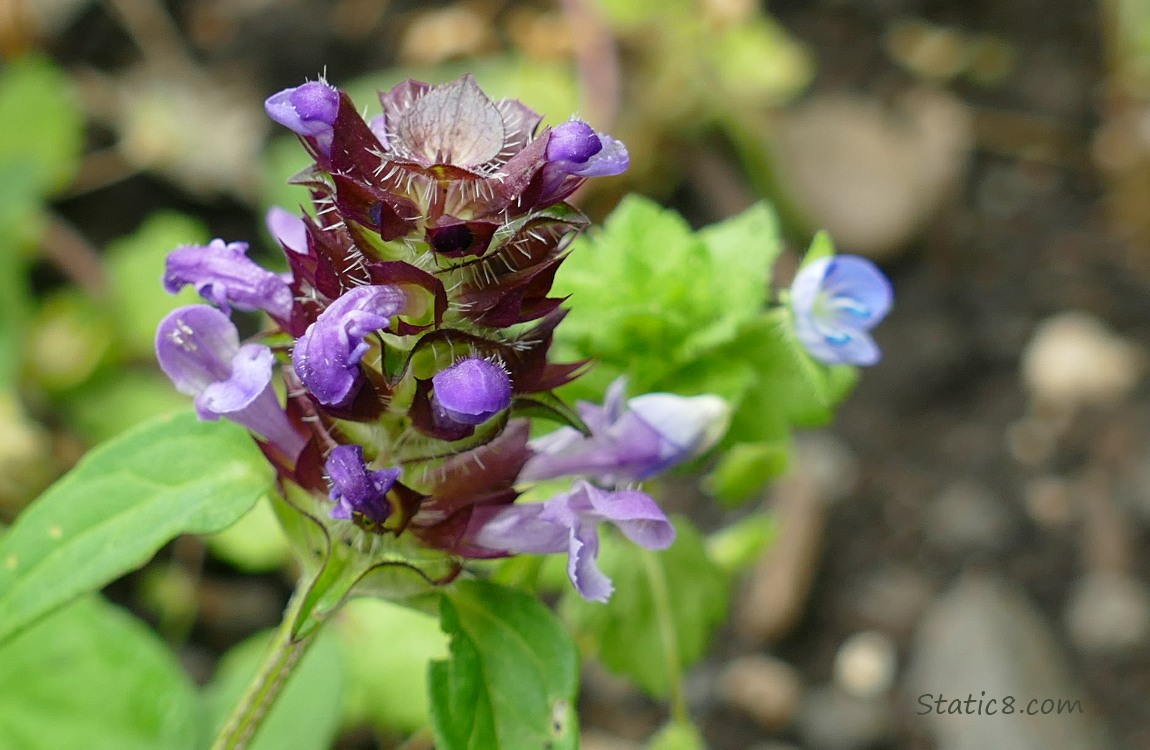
<point>309,110</point>
<point>471,391</point>
<point>198,348</point>
<point>355,487</point>
<point>630,440</point>
<point>224,275</point>
<point>288,229</point>
<point>573,141</point>
<point>636,514</point>
<point>583,567</point>
<point>517,529</point>
<point>575,148</point>
<point>687,426</point>
<point>195,346</point>
<point>327,356</point>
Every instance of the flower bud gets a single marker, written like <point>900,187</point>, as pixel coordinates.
<point>471,391</point>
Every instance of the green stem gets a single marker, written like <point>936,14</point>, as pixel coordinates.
<point>311,605</point>
<point>283,654</point>
<point>661,598</point>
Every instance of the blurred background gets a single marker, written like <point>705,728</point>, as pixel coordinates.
<point>976,519</point>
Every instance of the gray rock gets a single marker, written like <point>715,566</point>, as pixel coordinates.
<point>766,689</point>
<point>1108,612</point>
<point>968,517</point>
<point>984,641</point>
<point>833,720</point>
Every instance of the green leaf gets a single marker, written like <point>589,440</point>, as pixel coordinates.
<point>652,299</point>
<point>254,544</point>
<point>386,651</point>
<point>738,546</point>
<point>135,269</point>
<point>41,127</point>
<point>631,635</point>
<point>120,398</point>
<point>791,389</point>
<point>120,504</point>
<point>92,677</point>
<point>512,676</point>
<point>744,468</point>
<point>821,247</point>
<point>305,716</point>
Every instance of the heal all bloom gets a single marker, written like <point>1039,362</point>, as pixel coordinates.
<point>414,319</point>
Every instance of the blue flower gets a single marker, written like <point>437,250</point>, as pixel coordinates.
<point>836,301</point>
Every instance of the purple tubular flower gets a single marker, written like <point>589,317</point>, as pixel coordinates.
<point>575,148</point>
<point>631,440</point>
<point>308,110</point>
<point>471,391</point>
<point>198,347</point>
<point>327,356</point>
<point>356,488</point>
<point>569,523</point>
<point>836,301</point>
<point>224,275</point>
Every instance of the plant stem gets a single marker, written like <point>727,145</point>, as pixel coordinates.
<point>283,654</point>
<point>314,600</point>
<point>661,598</point>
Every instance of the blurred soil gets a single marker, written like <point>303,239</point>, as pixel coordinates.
<point>949,473</point>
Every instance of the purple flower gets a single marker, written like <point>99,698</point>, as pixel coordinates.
<point>569,523</point>
<point>356,488</point>
<point>224,275</point>
<point>326,357</point>
<point>288,229</point>
<point>198,347</point>
<point>308,110</point>
<point>630,440</point>
<point>575,148</point>
<point>836,301</point>
<point>471,391</point>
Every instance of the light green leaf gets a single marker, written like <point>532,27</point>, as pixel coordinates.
<point>119,399</point>
<point>677,736</point>
<point>821,247</point>
<point>512,676</point>
<point>135,270</point>
<point>41,127</point>
<point>744,468</point>
<point>92,677</point>
<point>652,299</point>
<point>791,389</point>
<point>120,504</point>
<point>630,634</point>
<point>254,544</point>
<point>760,63</point>
<point>305,716</point>
<point>386,651</point>
<point>738,546</point>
